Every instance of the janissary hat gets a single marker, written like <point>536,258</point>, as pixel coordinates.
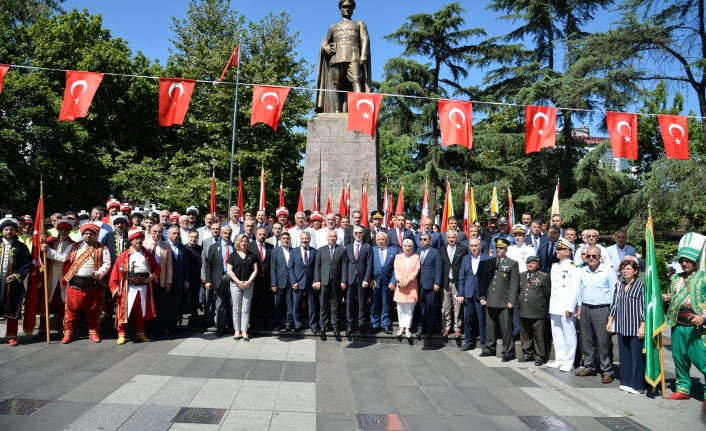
<point>64,223</point>
<point>93,227</point>
<point>137,212</point>
<point>112,203</point>
<point>282,211</point>
<point>119,217</point>
<point>27,219</point>
<point>691,247</point>
<point>9,221</point>
<point>192,210</point>
<point>174,216</point>
<point>316,216</point>
<point>83,215</point>
<point>135,232</point>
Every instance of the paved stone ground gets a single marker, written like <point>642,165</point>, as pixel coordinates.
<point>278,383</point>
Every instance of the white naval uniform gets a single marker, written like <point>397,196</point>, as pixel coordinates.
<point>566,279</point>
<point>520,255</point>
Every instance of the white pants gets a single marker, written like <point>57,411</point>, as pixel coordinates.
<point>405,313</point>
<point>53,282</point>
<point>241,306</point>
<point>564,337</point>
<point>132,294</point>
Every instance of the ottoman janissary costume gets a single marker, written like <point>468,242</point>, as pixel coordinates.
<point>85,264</point>
<point>15,262</point>
<point>134,275</point>
<point>687,295</point>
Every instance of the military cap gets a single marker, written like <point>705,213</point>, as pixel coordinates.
<point>501,243</point>
<point>493,215</point>
<point>377,214</point>
<point>502,220</point>
<point>520,229</point>
<point>532,258</point>
<point>564,244</point>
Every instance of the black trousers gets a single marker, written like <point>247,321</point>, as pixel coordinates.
<point>193,295</point>
<point>330,294</point>
<point>283,301</point>
<point>532,337</point>
<point>224,307</point>
<point>355,296</point>
<point>161,304</point>
<point>174,316</point>
<point>261,309</point>
<point>499,319</point>
<point>427,309</point>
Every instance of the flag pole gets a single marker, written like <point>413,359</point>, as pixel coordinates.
<point>44,264</point>
<point>235,116</point>
<point>661,365</point>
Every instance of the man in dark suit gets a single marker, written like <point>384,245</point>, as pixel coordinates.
<point>474,232</point>
<point>262,296</point>
<point>430,278</point>
<point>471,288</point>
<point>209,305</point>
<point>435,239</point>
<point>535,291</point>
<point>281,286</point>
<point>331,277</point>
<point>453,227</point>
<point>301,276</point>
<point>193,259</point>
<point>356,218</point>
<point>396,236</point>
<point>180,282</point>
<point>217,278</point>
<point>501,294</point>
<point>360,266</point>
<point>452,255</point>
<point>536,238</point>
<point>547,249</point>
<point>382,284</point>
<point>261,222</point>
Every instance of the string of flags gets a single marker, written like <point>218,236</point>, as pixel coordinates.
<point>455,116</point>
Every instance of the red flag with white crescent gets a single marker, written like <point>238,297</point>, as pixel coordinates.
<point>363,111</point>
<point>328,204</point>
<point>174,98</point>
<point>35,280</point>
<point>348,200</point>
<point>540,128</point>
<point>466,214</point>
<point>3,70</point>
<point>623,134</point>
<point>267,103</point>
<point>241,202</point>
<point>342,200</point>
<point>675,135</point>
<point>425,202</point>
<point>455,122</point>
<point>79,92</point>
<point>300,206</point>
<point>281,193</point>
<point>232,61</point>
<point>263,200</point>
<point>400,202</point>
<point>317,197</point>
<point>445,212</point>
<point>213,193</point>
<point>386,209</point>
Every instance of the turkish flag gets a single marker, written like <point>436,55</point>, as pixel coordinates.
<point>675,134</point>
<point>3,69</point>
<point>623,134</point>
<point>232,61</point>
<point>540,128</point>
<point>267,103</point>
<point>455,118</point>
<point>80,89</point>
<point>174,98</point>
<point>363,109</point>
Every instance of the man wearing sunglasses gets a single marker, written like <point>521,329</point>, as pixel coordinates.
<point>595,296</point>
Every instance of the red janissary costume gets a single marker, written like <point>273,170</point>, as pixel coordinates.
<point>131,287</point>
<point>57,289</point>
<point>85,265</point>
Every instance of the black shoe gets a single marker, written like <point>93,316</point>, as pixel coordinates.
<point>419,333</point>
<point>277,329</point>
<point>362,331</point>
<point>314,331</point>
<point>484,354</point>
<point>429,334</point>
<point>219,333</point>
<point>177,330</point>
<point>388,331</point>
<point>539,362</point>
<point>288,329</point>
<point>507,358</point>
<point>467,347</point>
<point>297,330</point>
<point>336,334</point>
<point>523,359</point>
<point>322,333</point>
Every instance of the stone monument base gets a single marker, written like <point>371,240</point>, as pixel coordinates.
<point>339,154</point>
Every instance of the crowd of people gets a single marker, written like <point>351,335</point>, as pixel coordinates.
<point>535,281</point>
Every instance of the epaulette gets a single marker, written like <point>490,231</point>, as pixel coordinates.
<point>542,272</point>
<point>575,264</point>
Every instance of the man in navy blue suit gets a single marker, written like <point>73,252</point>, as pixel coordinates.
<point>397,235</point>
<point>360,268</point>
<point>383,283</point>
<point>471,288</point>
<point>180,282</point>
<point>301,276</point>
<point>547,249</point>
<point>430,273</point>
<point>435,239</point>
<point>281,286</point>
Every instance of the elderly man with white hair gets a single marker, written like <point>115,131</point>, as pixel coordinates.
<point>591,240</point>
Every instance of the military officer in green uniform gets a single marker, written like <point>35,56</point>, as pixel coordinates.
<point>535,289</point>
<point>499,296</point>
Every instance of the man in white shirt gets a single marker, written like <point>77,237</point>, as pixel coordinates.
<point>591,240</point>
<point>322,234</point>
<point>235,224</point>
<point>620,250</point>
<point>300,220</point>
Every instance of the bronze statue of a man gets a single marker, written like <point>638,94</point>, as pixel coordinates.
<point>344,62</point>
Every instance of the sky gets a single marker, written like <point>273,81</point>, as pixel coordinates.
<point>146,24</point>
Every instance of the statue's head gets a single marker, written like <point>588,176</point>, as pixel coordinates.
<point>350,3</point>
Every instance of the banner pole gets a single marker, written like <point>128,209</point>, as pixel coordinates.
<point>661,365</point>
<point>44,265</point>
<point>235,116</point>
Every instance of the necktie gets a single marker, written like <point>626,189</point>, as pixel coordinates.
<point>262,259</point>
<point>551,251</point>
<point>382,258</point>
<point>306,257</point>
<point>276,242</point>
<point>535,242</point>
<point>227,251</point>
<point>331,252</point>
<point>424,255</point>
<point>357,251</point>
<point>399,237</point>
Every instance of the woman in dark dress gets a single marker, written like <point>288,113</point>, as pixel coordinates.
<point>242,270</point>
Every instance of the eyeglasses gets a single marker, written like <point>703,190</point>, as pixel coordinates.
<point>423,239</point>
<point>591,256</point>
<point>591,236</point>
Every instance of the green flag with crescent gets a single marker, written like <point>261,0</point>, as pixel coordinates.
<point>654,312</point>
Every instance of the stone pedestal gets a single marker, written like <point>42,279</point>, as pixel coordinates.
<point>338,153</point>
